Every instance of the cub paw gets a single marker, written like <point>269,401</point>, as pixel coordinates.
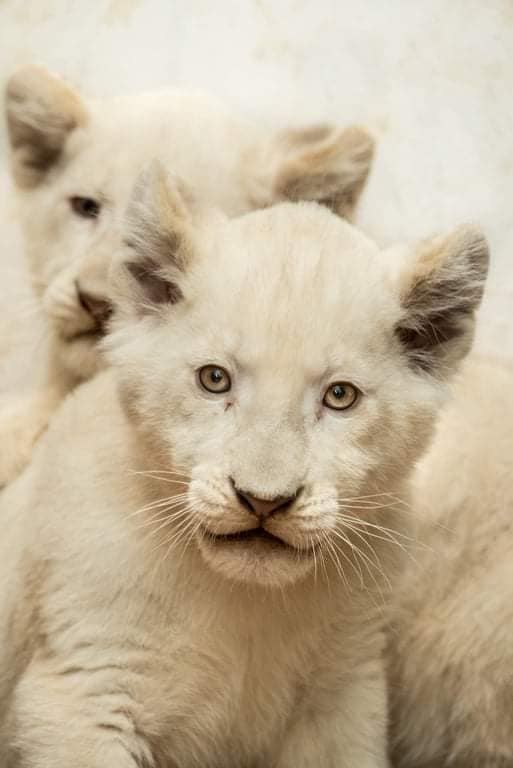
<point>22,421</point>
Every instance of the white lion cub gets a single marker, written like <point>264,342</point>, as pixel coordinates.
<point>193,565</point>
<point>451,651</point>
<point>75,163</point>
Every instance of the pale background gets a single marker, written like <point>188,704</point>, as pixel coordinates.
<point>433,79</point>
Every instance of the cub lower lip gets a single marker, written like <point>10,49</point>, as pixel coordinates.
<point>254,534</point>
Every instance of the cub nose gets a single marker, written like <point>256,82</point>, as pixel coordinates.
<point>263,508</point>
<point>98,307</point>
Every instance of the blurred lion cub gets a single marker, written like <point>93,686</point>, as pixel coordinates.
<point>451,649</point>
<point>74,164</point>
<point>193,579</point>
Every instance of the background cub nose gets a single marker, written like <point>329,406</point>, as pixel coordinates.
<point>98,307</point>
<point>263,508</point>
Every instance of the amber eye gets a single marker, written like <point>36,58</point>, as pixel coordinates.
<point>214,379</point>
<point>340,396</point>
<point>85,207</point>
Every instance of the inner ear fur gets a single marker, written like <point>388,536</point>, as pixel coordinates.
<point>42,110</point>
<point>157,239</point>
<point>324,164</point>
<point>440,293</point>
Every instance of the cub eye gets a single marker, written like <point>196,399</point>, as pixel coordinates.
<point>214,379</point>
<point>340,396</point>
<point>85,207</point>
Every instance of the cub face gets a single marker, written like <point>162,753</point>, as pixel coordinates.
<point>285,370</point>
<point>75,163</point>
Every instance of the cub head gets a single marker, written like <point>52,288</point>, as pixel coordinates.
<point>287,370</point>
<point>76,162</point>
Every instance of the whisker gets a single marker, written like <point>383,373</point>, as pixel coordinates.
<point>176,534</point>
<point>335,551</point>
<point>159,503</point>
<point>367,561</point>
<point>186,534</point>
<point>315,564</point>
<point>323,561</point>
<point>166,515</point>
<point>367,524</point>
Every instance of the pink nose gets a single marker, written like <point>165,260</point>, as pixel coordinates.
<point>263,508</point>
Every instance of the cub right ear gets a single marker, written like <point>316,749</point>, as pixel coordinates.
<point>320,163</point>
<point>42,110</point>
<point>440,291</point>
<point>157,235</point>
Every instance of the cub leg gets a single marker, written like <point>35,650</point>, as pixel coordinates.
<point>347,730</point>
<point>57,721</point>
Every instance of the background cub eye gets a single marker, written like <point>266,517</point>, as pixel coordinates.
<point>214,379</point>
<point>340,396</point>
<point>85,207</point>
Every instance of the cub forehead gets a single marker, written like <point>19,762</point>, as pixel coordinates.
<point>289,251</point>
<point>292,273</point>
<point>305,232</point>
<point>106,157</point>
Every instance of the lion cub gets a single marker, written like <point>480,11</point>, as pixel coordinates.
<point>451,651</point>
<point>193,566</point>
<point>74,164</point>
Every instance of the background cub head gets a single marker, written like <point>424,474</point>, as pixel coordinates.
<point>289,372</point>
<point>75,164</point>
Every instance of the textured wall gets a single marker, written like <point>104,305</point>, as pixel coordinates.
<point>432,78</point>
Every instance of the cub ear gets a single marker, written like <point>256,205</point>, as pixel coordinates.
<point>440,293</point>
<point>321,163</point>
<point>42,110</point>
<point>157,235</point>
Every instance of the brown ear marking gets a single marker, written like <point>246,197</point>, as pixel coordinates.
<point>440,298</point>
<point>156,288</point>
<point>158,236</point>
<point>326,165</point>
<point>42,110</point>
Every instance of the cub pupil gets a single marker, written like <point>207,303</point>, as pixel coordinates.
<point>216,376</point>
<point>338,392</point>
<point>85,207</point>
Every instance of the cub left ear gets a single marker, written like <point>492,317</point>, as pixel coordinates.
<point>320,163</point>
<point>157,234</point>
<point>440,293</point>
<point>42,111</point>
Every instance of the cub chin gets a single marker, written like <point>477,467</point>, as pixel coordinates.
<point>74,163</point>
<point>451,650</point>
<point>194,568</point>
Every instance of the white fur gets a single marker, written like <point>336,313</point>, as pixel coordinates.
<point>132,637</point>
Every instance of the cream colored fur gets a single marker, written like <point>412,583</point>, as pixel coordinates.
<point>133,634</point>
<point>451,649</point>
<point>63,146</point>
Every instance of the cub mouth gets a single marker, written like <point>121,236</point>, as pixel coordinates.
<point>255,556</point>
<point>249,536</point>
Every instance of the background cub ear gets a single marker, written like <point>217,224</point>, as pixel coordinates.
<point>157,235</point>
<point>42,110</point>
<point>320,163</point>
<point>440,293</point>
<point>326,165</point>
